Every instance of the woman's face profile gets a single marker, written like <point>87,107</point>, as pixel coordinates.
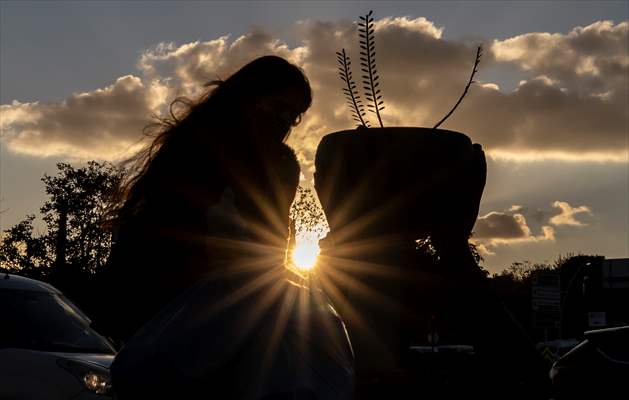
<point>277,113</point>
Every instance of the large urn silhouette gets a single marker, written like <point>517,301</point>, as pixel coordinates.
<point>381,189</point>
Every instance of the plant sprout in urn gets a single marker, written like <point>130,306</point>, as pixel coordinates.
<point>371,79</point>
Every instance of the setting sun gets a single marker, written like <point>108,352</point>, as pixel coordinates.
<point>305,255</point>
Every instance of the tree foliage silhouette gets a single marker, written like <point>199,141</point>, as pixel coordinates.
<point>74,238</point>
<point>24,253</point>
<point>307,214</point>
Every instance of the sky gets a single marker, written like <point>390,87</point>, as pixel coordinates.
<point>79,80</point>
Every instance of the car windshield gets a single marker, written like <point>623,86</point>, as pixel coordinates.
<point>46,322</point>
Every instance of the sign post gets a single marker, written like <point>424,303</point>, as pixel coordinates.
<point>546,300</point>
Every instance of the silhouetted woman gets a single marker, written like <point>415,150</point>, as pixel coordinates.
<point>208,201</point>
<point>228,148</point>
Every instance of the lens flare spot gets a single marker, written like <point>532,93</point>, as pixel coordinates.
<point>305,255</point>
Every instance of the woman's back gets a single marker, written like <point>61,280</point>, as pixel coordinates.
<point>187,230</point>
<point>281,337</point>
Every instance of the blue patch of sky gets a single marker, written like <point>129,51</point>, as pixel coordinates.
<point>51,49</point>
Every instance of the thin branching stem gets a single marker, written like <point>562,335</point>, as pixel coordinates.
<point>479,53</point>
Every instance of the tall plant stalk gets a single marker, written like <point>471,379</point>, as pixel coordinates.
<point>351,92</point>
<point>368,65</point>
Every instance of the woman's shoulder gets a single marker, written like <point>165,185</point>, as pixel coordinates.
<point>288,155</point>
<point>276,159</point>
<point>289,165</point>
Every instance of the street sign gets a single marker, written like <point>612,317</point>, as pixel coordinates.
<point>546,293</point>
<point>546,299</point>
<point>546,305</point>
<point>545,279</point>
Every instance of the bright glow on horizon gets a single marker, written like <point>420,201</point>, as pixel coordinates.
<point>305,255</point>
<point>523,155</point>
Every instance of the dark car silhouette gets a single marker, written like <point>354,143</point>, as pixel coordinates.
<point>596,368</point>
<point>47,348</point>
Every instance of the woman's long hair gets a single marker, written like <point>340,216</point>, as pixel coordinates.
<point>214,118</point>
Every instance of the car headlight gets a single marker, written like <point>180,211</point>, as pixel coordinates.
<point>95,378</point>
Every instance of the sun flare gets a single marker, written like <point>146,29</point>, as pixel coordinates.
<point>305,255</point>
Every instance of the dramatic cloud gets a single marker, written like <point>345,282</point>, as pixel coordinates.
<point>511,228</point>
<point>502,229</point>
<point>593,60</point>
<point>499,227</point>
<point>567,214</point>
<point>103,124</point>
<point>573,105</point>
<point>187,67</point>
<point>577,104</point>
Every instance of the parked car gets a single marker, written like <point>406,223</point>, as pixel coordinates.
<point>598,367</point>
<point>47,348</point>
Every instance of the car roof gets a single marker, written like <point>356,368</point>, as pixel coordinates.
<point>16,282</point>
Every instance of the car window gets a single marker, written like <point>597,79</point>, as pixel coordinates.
<point>47,322</point>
